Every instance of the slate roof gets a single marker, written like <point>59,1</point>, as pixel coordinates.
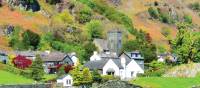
<point>99,64</point>
<point>107,56</point>
<point>26,53</point>
<point>53,56</point>
<point>102,43</point>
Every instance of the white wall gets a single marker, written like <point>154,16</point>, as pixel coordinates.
<point>64,80</point>
<point>111,64</point>
<point>133,67</point>
<point>95,56</point>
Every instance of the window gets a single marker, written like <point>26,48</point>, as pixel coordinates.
<point>132,54</point>
<point>68,82</point>
<point>132,73</point>
<point>136,55</point>
<point>110,73</point>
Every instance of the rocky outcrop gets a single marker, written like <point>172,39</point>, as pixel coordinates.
<point>188,70</point>
<point>25,4</point>
<point>115,84</point>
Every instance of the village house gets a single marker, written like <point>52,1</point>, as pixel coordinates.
<point>65,81</point>
<point>167,57</point>
<point>127,65</point>
<point>111,61</point>
<point>51,59</point>
<point>3,57</point>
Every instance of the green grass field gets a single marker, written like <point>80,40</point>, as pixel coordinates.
<point>9,78</point>
<point>161,82</point>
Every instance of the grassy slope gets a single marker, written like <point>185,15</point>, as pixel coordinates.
<point>27,20</point>
<point>134,7</point>
<point>161,82</point>
<point>9,78</point>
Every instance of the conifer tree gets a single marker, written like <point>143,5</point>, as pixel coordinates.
<point>37,70</point>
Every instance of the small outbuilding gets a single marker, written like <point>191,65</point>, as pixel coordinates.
<point>66,81</point>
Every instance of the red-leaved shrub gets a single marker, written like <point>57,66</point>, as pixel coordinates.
<point>67,67</point>
<point>21,62</point>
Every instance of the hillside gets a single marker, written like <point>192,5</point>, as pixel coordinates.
<point>137,10</point>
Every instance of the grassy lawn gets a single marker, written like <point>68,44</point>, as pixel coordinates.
<point>49,77</point>
<point>9,78</point>
<point>161,82</point>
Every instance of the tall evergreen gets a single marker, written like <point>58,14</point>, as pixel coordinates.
<point>37,70</point>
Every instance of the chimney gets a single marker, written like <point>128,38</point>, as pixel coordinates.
<point>123,61</point>
<point>95,53</point>
<point>47,51</point>
<point>73,54</point>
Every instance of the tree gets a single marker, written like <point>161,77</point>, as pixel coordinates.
<point>37,69</point>
<point>30,39</point>
<point>61,70</point>
<point>149,52</point>
<point>94,29</point>
<point>77,75</point>
<point>186,45</point>
<point>21,62</point>
<point>153,12</point>
<point>96,76</point>
<point>87,76</point>
<point>131,45</point>
<point>89,49</point>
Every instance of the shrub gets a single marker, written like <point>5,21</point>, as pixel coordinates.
<point>188,19</point>
<point>96,76</point>
<point>84,15</point>
<point>63,18</point>
<point>165,18</point>
<point>195,6</point>
<point>166,32</point>
<point>30,39</point>
<point>94,29</point>
<point>21,62</point>
<point>106,78</point>
<point>153,12</point>
<point>156,69</point>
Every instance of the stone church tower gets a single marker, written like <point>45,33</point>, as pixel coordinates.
<point>114,38</point>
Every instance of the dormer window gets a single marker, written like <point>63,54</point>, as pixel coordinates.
<point>136,55</point>
<point>132,54</point>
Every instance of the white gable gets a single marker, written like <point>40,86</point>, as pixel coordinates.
<point>132,69</point>
<point>74,59</point>
<point>95,56</point>
<point>111,65</point>
<point>67,81</point>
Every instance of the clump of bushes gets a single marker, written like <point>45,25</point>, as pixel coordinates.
<point>162,16</point>
<point>156,69</point>
<point>84,15</point>
<point>21,62</point>
<point>29,40</point>
<point>153,12</point>
<point>106,78</point>
<point>195,6</point>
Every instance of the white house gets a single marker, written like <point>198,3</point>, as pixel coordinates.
<point>66,81</point>
<point>167,56</point>
<point>127,65</point>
